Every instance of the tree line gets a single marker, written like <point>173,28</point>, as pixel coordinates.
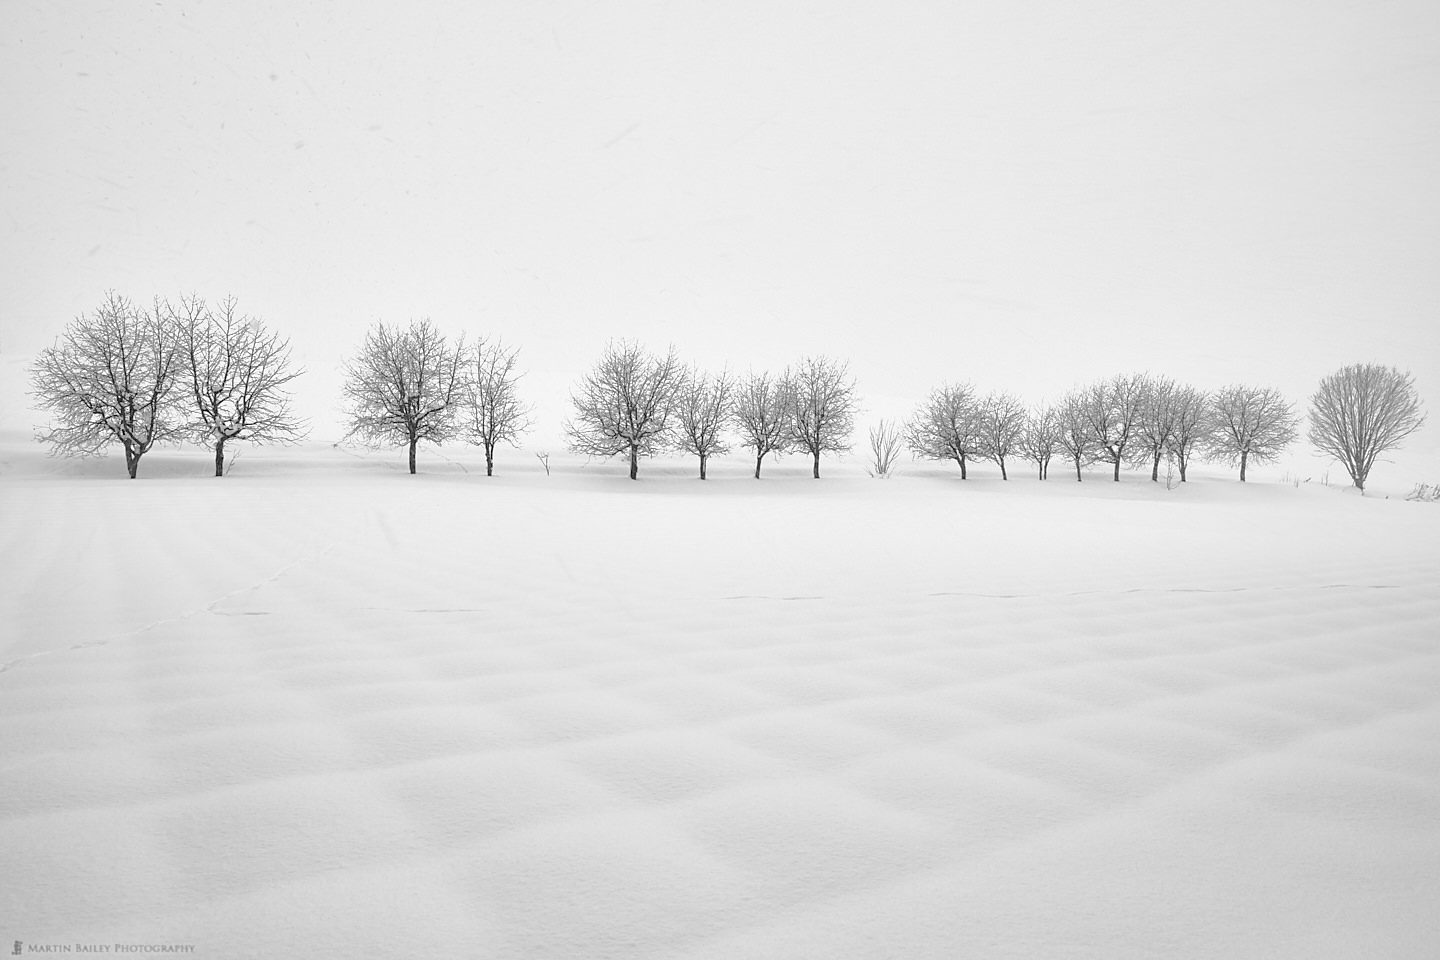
<point>136,377</point>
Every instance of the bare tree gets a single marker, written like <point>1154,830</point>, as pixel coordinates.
<point>1040,438</point>
<point>946,426</point>
<point>236,371</point>
<point>885,442</point>
<point>1112,410</point>
<point>1191,425</point>
<point>626,404</point>
<point>1251,425</point>
<point>111,377</point>
<point>1156,424</point>
<point>761,411</point>
<point>1073,433</point>
<point>1361,411</point>
<point>1002,423</point>
<point>405,385</point>
<point>702,414</point>
<point>822,407</point>
<point>494,411</point>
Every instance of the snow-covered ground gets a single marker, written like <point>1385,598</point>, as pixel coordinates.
<point>324,708</point>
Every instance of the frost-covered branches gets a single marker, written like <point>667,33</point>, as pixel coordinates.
<point>111,377</point>
<point>822,407</point>
<point>1040,439</point>
<point>405,385</point>
<point>885,446</point>
<point>1002,423</point>
<point>1361,411</point>
<point>1190,426</point>
<point>702,413</point>
<point>946,426</point>
<point>761,414</point>
<point>626,404</point>
<point>494,413</point>
<point>1251,425</point>
<point>235,372</point>
<point>1112,410</point>
<point>1073,433</point>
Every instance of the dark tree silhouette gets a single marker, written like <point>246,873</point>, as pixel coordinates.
<point>822,408</point>
<point>1251,425</point>
<point>761,412</point>
<point>626,404</point>
<point>1361,411</point>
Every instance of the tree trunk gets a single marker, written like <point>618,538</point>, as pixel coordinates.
<point>634,461</point>
<point>962,466</point>
<point>1078,477</point>
<point>1243,455</point>
<point>1117,468</point>
<point>817,464</point>
<point>1003,474</point>
<point>1182,461</point>
<point>758,458</point>
<point>489,459</point>
<point>132,461</point>
<point>702,466</point>
<point>1155,469</point>
<point>413,442</point>
<point>220,457</point>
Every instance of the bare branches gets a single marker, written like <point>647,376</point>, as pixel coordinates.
<point>494,413</point>
<point>761,414</point>
<point>1112,410</point>
<point>946,426</point>
<point>112,377</point>
<point>1073,433</point>
<point>1040,438</point>
<point>702,412</point>
<point>1251,425</point>
<point>235,372</point>
<point>885,445</point>
<point>405,385</point>
<point>626,404</point>
<point>1361,411</point>
<point>1002,421</point>
<point>821,407</point>
<point>1191,425</point>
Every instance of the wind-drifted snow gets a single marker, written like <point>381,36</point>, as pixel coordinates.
<point>321,708</point>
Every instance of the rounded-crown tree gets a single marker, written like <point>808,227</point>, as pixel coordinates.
<point>1361,411</point>
<point>1249,425</point>
<point>235,373</point>
<point>111,377</point>
<point>626,404</point>
<point>946,426</point>
<point>822,407</point>
<point>405,385</point>
<point>761,414</point>
<point>494,411</point>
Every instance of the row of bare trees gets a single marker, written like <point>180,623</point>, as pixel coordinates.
<point>1356,414</point>
<point>136,377</point>
<point>636,404</point>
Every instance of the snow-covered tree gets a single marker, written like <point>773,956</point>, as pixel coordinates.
<point>761,413</point>
<point>1002,423</point>
<point>626,404</point>
<point>1191,425</point>
<point>946,426</point>
<point>1361,411</point>
<point>493,411</point>
<point>822,407</point>
<point>1155,426</point>
<point>236,372</point>
<point>111,377</point>
<point>405,385</point>
<point>1040,438</point>
<point>1073,433</point>
<point>1112,409</point>
<point>1251,425</point>
<point>702,413</point>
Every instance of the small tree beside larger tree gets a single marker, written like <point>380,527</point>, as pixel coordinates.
<point>1361,411</point>
<point>626,404</point>
<point>1250,425</point>
<point>702,413</point>
<point>111,377</point>
<point>235,372</point>
<point>405,385</point>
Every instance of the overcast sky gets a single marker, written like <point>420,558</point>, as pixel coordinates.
<point>1025,195</point>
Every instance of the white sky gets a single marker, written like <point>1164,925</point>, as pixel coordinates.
<point>1026,195</point>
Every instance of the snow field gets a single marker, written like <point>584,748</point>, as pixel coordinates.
<point>321,708</point>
